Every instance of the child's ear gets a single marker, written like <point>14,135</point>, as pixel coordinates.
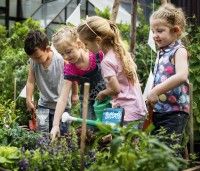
<point>176,29</point>
<point>80,44</point>
<point>48,48</point>
<point>98,39</point>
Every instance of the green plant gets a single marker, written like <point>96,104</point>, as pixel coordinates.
<point>14,135</point>
<point>134,150</point>
<point>13,63</point>
<point>19,31</point>
<point>105,13</point>
<point>7,114</point>
<point>194,48</point>
<point>8,157</point>
<point>61,155</point>
<point>3,33</point>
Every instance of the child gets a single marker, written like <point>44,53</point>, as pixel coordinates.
<point>83,66</point>
<point>118,68</point>
<point>170,92</point>
<point>46,71</point>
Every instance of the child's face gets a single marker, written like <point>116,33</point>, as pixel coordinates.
<point>40,56</point>
<point>90,45</point>
<point>70,53</point>
<point>163,35</point>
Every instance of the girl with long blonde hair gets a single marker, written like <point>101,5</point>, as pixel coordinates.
<point>118,68</point>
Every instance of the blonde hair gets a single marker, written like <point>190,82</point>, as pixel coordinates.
<point>97,26</point>
<point>63,37</point>
<point>172,15</point>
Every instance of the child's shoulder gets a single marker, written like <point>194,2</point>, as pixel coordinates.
<point>93,56</point>
<point>70,69</point>
<point>57,57</point>
<point>110,56</point>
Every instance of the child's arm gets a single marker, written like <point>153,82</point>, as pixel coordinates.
<point>181,67</point>
<point>60,107</point>
<point>112,88</point>
<point>30,84</point>
<point>75,96</point>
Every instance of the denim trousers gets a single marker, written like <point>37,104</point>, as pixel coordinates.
<point>63,126</point>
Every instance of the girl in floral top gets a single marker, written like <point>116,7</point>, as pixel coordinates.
<point>170,93</point>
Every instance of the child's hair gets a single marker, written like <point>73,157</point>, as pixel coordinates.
<point>96,26</point>
<point>172,15</point>
<point>63,37</point>
<point>35,39</point>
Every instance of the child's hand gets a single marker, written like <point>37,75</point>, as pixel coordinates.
<point>152,98</point>
<point>30,106</point>
<point>101,96</point>
<point>75,99</point>
<point>55,132</point>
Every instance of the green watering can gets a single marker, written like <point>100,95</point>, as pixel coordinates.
<point>105,115</point>
<point>99,107</point>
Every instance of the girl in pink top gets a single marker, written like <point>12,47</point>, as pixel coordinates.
<point>83,66</point>
<point>118,68</point>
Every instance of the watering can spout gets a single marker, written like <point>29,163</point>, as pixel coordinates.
<point>66,117</point>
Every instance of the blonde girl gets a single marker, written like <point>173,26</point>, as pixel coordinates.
<point>118,68</point>
<point>170,93</point>
<point>83,66</point>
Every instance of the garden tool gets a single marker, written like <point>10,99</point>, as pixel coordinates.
<point>67,118</point>
<point>33,121</point>
<point>111,116</point>
<point>149,118</point>
<point>99,107</point>
<point>104,113</point>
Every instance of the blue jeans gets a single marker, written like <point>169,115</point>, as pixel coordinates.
<point>63,126</point>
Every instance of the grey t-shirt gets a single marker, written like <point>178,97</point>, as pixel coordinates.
<point>49,81</point>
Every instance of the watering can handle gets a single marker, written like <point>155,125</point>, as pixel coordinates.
<point>149,118</point>
<point>33,121</point>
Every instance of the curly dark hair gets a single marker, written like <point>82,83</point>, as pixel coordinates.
<point>35,39</point>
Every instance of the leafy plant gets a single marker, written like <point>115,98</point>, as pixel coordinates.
<point>7,114</point>
<point>16,136</point>
<point>3,33</point>
<point>9,156</point>
<point>59,155</point>
<point>194,48</point>
<point>105,13</point>
<point>19,31</point>
<point>134,150</point>
<point>13,63</point>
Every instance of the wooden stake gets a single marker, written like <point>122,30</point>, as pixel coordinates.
<point>84,126</point>
<point>133,26</point>
<point>115,10</point>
